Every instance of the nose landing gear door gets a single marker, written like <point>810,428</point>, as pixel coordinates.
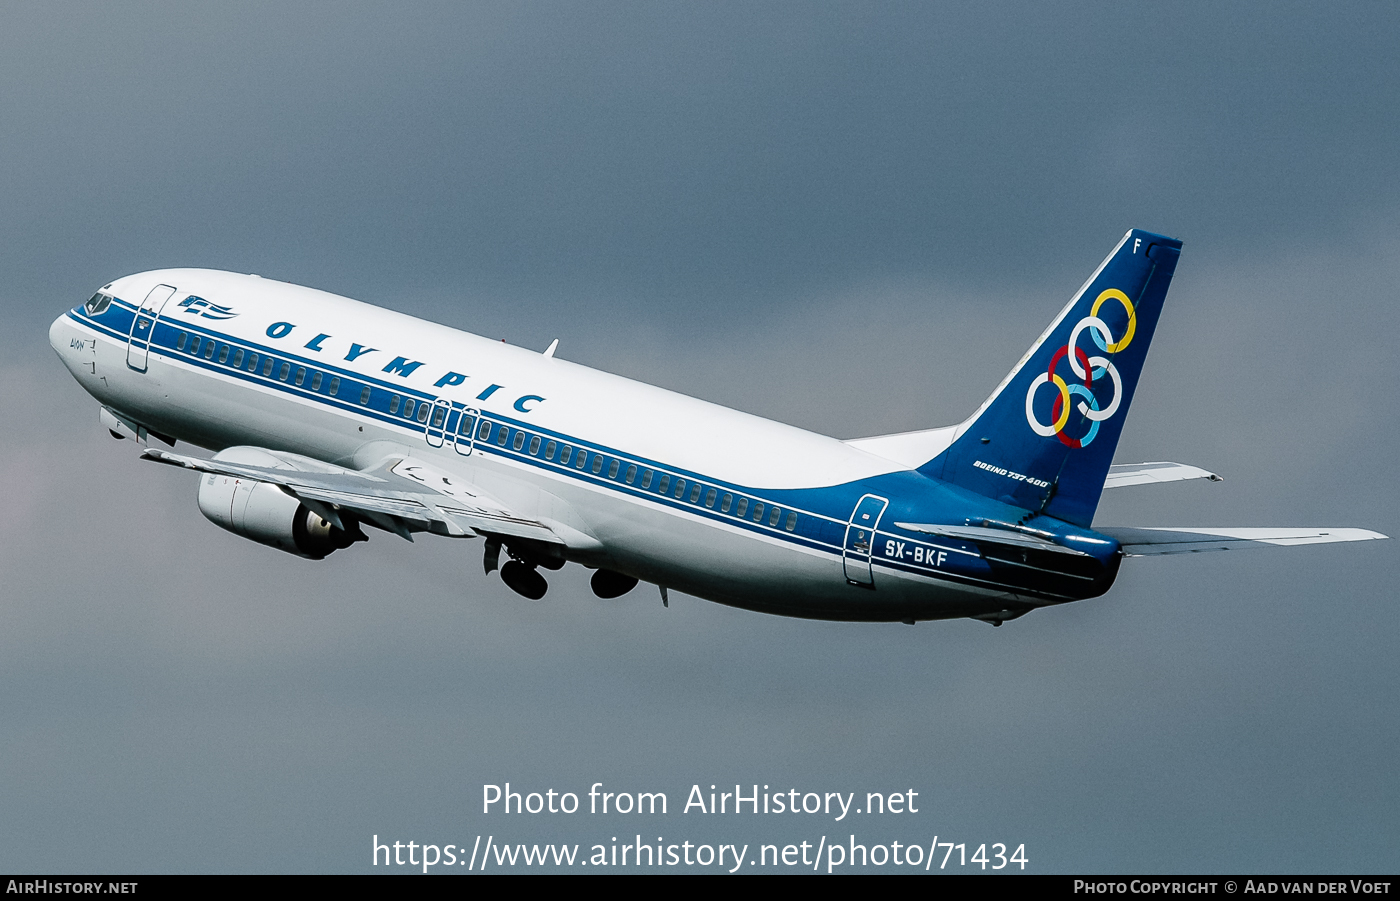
<point>143,327</point>
<point>860,539</point>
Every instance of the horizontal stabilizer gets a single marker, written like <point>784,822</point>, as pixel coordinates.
<point>1123,474</point>
<point>1156,542</point>
<point>407,490</point>
<point>995,536</point>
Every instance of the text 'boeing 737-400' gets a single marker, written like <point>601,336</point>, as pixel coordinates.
<point>330,417</point>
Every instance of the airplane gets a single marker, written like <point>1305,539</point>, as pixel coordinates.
<point>330,417</point>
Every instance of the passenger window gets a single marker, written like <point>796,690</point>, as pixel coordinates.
<point>283,371</point>
<point>439,416</point>
<point>631,474</point>
<point>364,395</point>
<point>394,404</point>
<point>180,342</point>
<point>710,497</point>
<point>680,487</point>
<point>223,353</point>
<point>502,434</point>
<point>209,350</point>
<point>773,516</point>
<point>335,385</point>
<point>564,455</point>
<point>549,450</point>
<point>725,504</point>
<point>408,407</point>
<point>423,410</point>
<point>695,495</point>
<point>791,521</point>
<point>758,512</point>
<point>465,424</point>
<point>485,432</point>
<point>742,506</point>
<point>301,375</point>
<point>237,358</point>
<point>581,459</point>
<point>194,345</point>
<point>534,445</point>
<point>519,441</point>
<point>665,483</point>
<point>267,366</point>
<point>612,469</point>
<point>597,463</point>
<point>316,381</point>
<point>252,362</point>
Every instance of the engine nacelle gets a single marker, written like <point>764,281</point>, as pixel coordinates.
<point>268,515</point>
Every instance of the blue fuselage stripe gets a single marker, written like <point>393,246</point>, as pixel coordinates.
<point>823,513</point>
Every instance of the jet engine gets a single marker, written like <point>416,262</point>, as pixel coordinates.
<point>268,515</point>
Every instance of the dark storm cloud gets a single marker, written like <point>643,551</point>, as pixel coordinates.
<point>851,218</point>
<point>674,152</point>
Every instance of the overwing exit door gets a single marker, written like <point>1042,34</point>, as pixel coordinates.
<point>435,429</point>
<point>465,436</point>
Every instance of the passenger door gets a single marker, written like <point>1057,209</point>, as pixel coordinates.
<point>143,327</point>
<point>860,540</point>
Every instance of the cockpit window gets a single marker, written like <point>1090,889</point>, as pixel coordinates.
<point>98,303</point>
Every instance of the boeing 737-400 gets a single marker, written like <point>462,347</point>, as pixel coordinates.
<point>331,417</point>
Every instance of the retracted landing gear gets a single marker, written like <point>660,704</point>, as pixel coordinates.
<point>524,580</point>
<point>520,572</point>
<point>608,584</point>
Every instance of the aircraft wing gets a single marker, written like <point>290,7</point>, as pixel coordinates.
<point>405,495</point>
<point>1156,542</point>
<point>1123,474</point>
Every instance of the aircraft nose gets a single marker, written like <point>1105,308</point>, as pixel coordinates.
<point>59,333</point>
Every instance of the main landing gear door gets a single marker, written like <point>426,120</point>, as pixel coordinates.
<point>860,537</point>
<point>435,429</point>
<point>465,438</point>
<point>143,326</point>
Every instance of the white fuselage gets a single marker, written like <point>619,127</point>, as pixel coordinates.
<point>304,338</point>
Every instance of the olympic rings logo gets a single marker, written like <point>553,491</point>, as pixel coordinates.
<point>1087,369</point>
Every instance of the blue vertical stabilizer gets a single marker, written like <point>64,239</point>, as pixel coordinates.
<point>1045,438</point>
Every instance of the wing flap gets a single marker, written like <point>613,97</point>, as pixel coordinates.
<point>1153,542</point>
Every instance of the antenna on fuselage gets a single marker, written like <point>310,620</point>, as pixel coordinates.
<point>553,345</point>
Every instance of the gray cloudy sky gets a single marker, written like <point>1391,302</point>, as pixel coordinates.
<point>851,217</point>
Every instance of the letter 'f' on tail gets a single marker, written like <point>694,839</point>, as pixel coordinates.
<point>1045,438</point>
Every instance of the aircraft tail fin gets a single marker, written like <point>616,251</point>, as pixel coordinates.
<point>1045,438</point>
